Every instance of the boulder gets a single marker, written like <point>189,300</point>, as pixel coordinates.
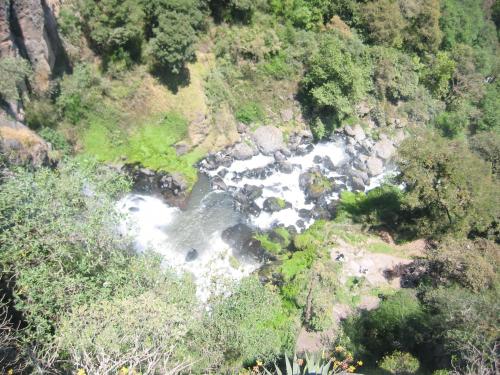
<point>218,183</point>
<point>374,166</point>
<point>252,192</point>
<point>242,151</point>
<point>355,132</point>
<point>285,167</point>
<point>274,204</point>
<point>268,139</point>
<point>191,255</point>
<point>357,184</point>
<point>22,146</point>
<point>241,238</point>
<point>315,185</point>
<point>384,149</point>
<point>328,163</point>
<point>279,156</point>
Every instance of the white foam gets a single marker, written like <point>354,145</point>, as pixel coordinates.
<point>147,223</point>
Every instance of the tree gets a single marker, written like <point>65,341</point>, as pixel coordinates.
<point>172,45</point>
<point>487,146</point>
<point>448,189</point>
<point>337,76</point>
<point>423,33</point>
<point>113,26</point>
<point>384,22</point>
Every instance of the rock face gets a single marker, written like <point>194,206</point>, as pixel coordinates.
<point>374,166</point>
<point>22,146</point>
<point>268,139</point>
<point>384,149</point>
<point>28,29</point>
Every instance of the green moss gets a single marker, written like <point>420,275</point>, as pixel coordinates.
<point>149,145</point>
<point>267,244</point>
<point>250,112</point>
<point>233,262</point>
<point>298,262</point>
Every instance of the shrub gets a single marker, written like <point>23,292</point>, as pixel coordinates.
<point>337,76</point>
<point>56,139</point>
<point>490,109</point>
<point>147,333</point>
<point>487,146</point>
<point>449,190</point>
<point>171,46</point>
<point>399,363</point>
<point>14,72</point>
<point>384,22</point>
<point>59,239</point>
<point>395,74</point>
<point>249,324</point>
<point>41,113</point>
<point>250,112</point>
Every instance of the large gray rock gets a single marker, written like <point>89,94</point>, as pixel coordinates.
<point>22,146</point>
<point>374,166</point>
<point>355,132</point>
<point>242,151</point>
<point>268,139</point>
<point>384,149</point>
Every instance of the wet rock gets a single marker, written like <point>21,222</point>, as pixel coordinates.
<point>300,224</point>
<point>252,209</point>
<point>285,167</point>
<point>181,149</point>
<point>218,183</point>
<point>317,159</point>
<point>241,238</point>
<point>285,151</point>
<point>242,151</point>
<point>222,173</point>
<point>274,204</point>
<point>374,166</point>
<point>279,156</point>
<point>357,184</point>
<point>305,214</point>
<point>257,173</point>
<point>133,209</point>
<point>268,139</point>
<point>328,163</point>
<point>252,192</point>
<point>315,185</point>
<point>191,255</point>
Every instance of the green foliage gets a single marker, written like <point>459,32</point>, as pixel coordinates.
<point>15,73</point>
<point>41,113</point>
<point>384,22</point>
<point>462,21</point>
<point>467,324</point>
<point>56,139</point>
<point>148,332</point>
<point>337,76</point>
<point>399,363</point>
<point>80,93</point>
<point>423,33</point>
<point>249,324</point>
<point>172,45</point>
<point>452,124</point>
<point>438,74</point>
<point>448,189</point>
<point>61,251</point>
<point>278,67</point>
<point>250,113</point>
<point>381,205</point>
<point>268,245</point>
<point>487,146</point>
<point>233,10</point>
<point>490,108</point>
<point>396,75</point>
<point>472,264</point>
<point>113,26</point>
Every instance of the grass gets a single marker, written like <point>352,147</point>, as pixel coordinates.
<point>267,244</point>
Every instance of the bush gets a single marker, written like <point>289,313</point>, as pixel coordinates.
<point>41,113</point>
<point>172,45</point>
<point>399,363</point>
<point>384,22</point>
<point>250,113</point>
<point>395,74</point>
<point>449,190</point>
<point>14,71</point>
<point>59,239</point>
<point>150,332</point>
<point>337,76</point>
<point>56,140</point>
<point>487,146</point>
<point>249,324</point>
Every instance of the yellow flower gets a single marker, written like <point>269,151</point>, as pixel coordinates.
<point>81,372</point>
<point>360,363</point>
<point>123,371</point>
<point>259,363</point>
<point>351,369</point>
<point>10,372</point>
<point>339,349</point>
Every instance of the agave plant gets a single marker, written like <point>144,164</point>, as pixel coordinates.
<point>313,366</point>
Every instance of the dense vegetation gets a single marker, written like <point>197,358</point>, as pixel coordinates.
<point>78,299</point>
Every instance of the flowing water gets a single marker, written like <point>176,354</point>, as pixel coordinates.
<point>191,239</point>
